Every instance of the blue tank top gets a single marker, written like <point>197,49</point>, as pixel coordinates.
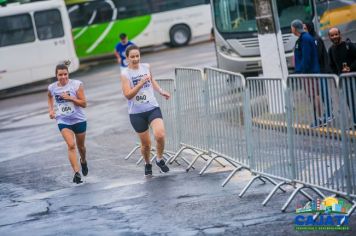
<point>144,99</point>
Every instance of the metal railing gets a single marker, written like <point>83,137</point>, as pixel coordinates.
<point>226,122</point>
<point>192,116</point>
<point>300,132</point>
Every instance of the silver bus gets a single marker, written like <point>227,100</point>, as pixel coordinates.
<point>237,46</point>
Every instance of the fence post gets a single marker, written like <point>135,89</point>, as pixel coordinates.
<point>341,84</point>
<point>248,127</point>
<point>290,132</point>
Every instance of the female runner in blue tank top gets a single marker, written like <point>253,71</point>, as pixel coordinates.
<point>66,101</point>
<point>138,87</point>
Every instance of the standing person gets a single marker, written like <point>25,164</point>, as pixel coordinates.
<point>342,57</point>
<point>342,54</point>
<point>120,49</point>
<point>321,49</point>
<point>306,62</point>
<point>138,87</point>
<point>324,69</point>
<point>305,51</point>
<point>66,101</point>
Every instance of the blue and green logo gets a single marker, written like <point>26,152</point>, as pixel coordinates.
<point>332,215</point>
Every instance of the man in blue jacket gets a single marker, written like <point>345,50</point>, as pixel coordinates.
<point>305,51</point>
<point>306,61</point>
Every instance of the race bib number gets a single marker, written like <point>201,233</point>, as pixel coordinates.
<point>65,109</point>
<point>142,98</point>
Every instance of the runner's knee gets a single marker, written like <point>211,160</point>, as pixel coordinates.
<point>71,146</point>
<point>159,136</point>
<point>81,148</point>
<point>145,148</point>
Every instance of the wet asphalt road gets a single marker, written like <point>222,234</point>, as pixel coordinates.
<point>37,196</point>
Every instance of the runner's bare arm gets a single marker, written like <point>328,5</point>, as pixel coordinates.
<point>117,57</point>
<point>80,100</point>
<point>51,112</point>
<point>129,92</point>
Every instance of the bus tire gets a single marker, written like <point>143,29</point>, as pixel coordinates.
<point>179,35</point>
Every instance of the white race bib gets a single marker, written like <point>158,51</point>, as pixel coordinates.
<point>142,98</point>
<point>65,109</point>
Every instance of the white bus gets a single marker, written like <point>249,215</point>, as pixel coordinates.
<point>237,46</point>
<point>34,38</point>
<point>97,24</point>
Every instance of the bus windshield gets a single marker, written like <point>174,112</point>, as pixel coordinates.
<point>238,16</point>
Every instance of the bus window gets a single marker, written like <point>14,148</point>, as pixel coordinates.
<point>79,15</point>
<point>48,24</point>
<point>16,29</point>
<point>189,3</point>
<point>127,9</point>
<point>165,5</point>
<point>104,13</point>
<point>232,16</point>
<point>235,16</point>
<point>292,9</point>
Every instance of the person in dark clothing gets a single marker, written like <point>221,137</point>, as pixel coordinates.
<point>322,53</point>
<point>342,57</point>
<point>305,51</point>
<point>324,68</point>
<point>307,62</point>
<point>342,54</point>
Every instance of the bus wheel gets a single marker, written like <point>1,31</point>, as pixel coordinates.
<point>179,35</point>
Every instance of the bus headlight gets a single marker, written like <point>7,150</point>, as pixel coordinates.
<point>228,51</point>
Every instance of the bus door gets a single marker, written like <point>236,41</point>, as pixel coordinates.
<point>52,44</point>
<point>17,36</point>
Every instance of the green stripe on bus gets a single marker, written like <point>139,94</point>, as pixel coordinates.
<point>132,27</point>
<point>71,2</point>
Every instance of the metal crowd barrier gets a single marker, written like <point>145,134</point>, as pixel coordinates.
<point>225,103</point>
<point>192,113</point>
<point>347,85</point>
<point>168,109</point>
<point>301,132</point>
<point>268,139</point>
<point>347,89</point>
<point>316,146</point>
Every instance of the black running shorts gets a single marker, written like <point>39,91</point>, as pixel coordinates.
<point>141,121</point>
